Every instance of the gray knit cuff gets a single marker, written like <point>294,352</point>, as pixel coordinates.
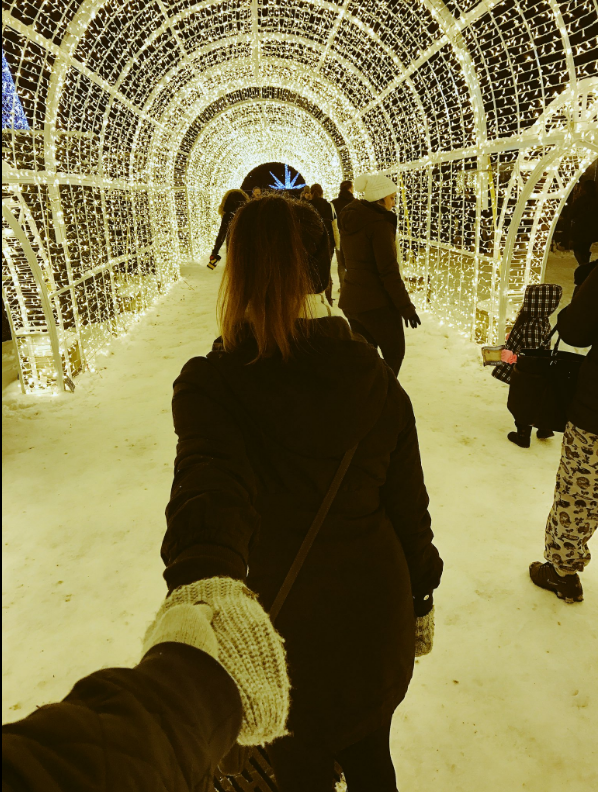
<point>424,634</point>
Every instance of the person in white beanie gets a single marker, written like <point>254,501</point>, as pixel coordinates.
<point>373,296</point>
<point>213,672</point>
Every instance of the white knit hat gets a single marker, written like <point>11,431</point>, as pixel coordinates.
<point>374,186</point>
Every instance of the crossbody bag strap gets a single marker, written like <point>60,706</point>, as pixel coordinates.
<point>311,534</point>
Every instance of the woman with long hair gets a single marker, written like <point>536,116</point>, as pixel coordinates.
<point>263,422</point>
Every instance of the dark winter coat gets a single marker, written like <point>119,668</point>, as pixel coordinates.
<point>345,197</point>
<point>317,244</point>
<point>162,726</point>
<point>584,219</point>
<point>578,327</point>
<point>259,445</point>
<point>324,209</point>
<point>373,279</point>
<point>232,202</point>
<point>532,326</point>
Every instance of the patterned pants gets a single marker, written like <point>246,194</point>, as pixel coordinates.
<point>574,514</point>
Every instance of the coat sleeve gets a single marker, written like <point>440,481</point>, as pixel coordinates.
<point>211,516</point>
<point>385,254</point>
<point>224,224</point>
<point>406,502</point>
<point>164,724</point>
<point>578,322</point>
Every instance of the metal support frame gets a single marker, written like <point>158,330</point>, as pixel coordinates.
<point>46,305</point>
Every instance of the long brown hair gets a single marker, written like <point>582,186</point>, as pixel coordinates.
<point>266,278</point>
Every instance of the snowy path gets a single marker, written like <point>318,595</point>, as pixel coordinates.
<point>508,699</point>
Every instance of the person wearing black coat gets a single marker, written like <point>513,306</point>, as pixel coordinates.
<point>231,201</point>
<point>584,221</point>
<point>345,197</point>
<point>373,296</point>
<point>574,514</point>
<point>323,208</point>
<point>260,436</point>
<point>317,245</point>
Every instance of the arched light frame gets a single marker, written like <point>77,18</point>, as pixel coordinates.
<point>112,189</point>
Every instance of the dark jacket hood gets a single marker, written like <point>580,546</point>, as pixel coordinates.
<point>360,214</point>
<point>322,402</point>
<point>345,195</point>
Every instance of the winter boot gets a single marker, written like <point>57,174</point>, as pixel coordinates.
<point>566,587</point>
<point>544,434</point>
<point>521,437</point>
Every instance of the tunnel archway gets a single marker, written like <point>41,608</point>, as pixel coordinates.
<point>140,112</point>
<point>274,176</point>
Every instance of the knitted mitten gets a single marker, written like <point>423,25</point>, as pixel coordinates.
<point>249,648</point>
<point>424,634</point>
<point>189,624</point>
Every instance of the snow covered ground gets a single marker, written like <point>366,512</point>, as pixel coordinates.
<point>508,699</point>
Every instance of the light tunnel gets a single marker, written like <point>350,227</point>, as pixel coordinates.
<point>142,113</point>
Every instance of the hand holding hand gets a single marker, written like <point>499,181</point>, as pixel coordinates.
<point>234,628</point>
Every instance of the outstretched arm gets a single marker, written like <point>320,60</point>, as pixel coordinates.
<point>211,516</point>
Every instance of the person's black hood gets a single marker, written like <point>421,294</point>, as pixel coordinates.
<point>322,402</point>
<point>360,214</point>
<point>346,195</point>
<point>315,240</point>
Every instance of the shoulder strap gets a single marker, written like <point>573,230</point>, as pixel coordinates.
<point>311,534</point>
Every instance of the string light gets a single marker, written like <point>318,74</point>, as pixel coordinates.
<point>142,113</point>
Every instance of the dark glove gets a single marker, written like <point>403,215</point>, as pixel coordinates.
<point>412,320</point>
<point>214,259</point>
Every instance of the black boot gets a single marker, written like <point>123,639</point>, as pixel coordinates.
<point>544,434</point>
<point>521,437</point>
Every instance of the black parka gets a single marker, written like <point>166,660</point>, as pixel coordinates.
<point>578,326</point>
<point>373,279</point>
<point>259,444</point>
<point>345,197</point>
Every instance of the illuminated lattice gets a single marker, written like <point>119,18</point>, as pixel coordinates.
<point>142,113</point>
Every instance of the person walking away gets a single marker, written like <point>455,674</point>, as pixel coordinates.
<point>210,675</point>
<point>530,331</point>
<point>584,221</point>
<point>582,272</point>
<point>373,297</point>
<point>317,247</point>
<point>231,201</point>
<point>328,215</point>
<point>345,196</point>
<point>574,514</point>
<point>263,422</point>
